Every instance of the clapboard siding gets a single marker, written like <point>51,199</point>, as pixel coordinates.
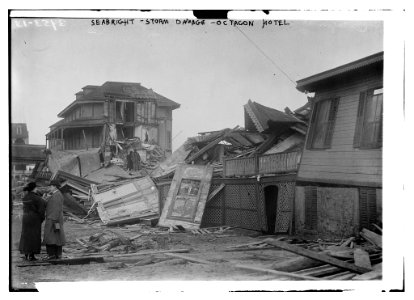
<point>342,163</point>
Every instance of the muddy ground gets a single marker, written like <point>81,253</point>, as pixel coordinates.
<point>203,246</point>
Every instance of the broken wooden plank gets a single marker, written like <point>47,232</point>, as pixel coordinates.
<point>278,273</point>
<point>339,251</point>
<point>319,271</point>
<point>372,237</point>
<point>76,260</point>
<point>215,192</point>
<point>295,264</point>
<point>361,258</point>
<point>189,258</point>
<point>317,256</point>
<point>348,242</point>
<point>340,276</point>
<point>375,274</point>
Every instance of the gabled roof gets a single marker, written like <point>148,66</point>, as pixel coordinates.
<point>262,116</point>
<point>123,90</point>
<point>370,63</point>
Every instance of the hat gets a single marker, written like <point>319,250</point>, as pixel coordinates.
<point>30,186</point>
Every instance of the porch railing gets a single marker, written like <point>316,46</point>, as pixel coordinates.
<point>264,164</point>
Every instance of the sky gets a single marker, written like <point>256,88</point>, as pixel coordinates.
<point>211,70</point>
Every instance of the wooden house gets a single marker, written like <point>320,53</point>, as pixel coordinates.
<point>119,110</point>
<point>339,184</point>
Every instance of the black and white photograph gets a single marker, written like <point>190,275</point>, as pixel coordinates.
<point>204,146</point>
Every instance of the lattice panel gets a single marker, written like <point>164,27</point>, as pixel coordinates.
<point>242,218</point>
<point>241,196</point>
<point>284,206</point>
<point>213,214</point>
<point>262,208</point>
<point>212,217</point>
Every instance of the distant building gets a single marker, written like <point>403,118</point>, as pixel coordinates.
<point>19,134</point>
<point>117,110</point>
<point>339,184</point>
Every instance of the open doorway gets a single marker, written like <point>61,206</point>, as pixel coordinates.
<point>270,193</point>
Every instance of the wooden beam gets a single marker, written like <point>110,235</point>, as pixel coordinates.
<point>317,256</point>
<point>193,259</point>
<point>278,273</point>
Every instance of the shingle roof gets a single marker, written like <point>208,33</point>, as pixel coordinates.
<point>310,83</point>
<point>262,115</point>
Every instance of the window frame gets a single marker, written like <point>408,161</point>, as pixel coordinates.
<point>361,121</point>
<point>330,123</point>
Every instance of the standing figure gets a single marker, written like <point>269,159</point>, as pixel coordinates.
<point>136,160</point>
<point>130,164</point>
<point>33,216</point>
<point>54,236</point>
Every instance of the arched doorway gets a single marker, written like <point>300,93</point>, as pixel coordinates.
<point>270,193</point>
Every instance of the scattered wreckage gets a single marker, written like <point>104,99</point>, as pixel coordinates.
<point>97,183</point>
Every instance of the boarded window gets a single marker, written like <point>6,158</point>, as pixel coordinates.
<point>311,207</point>
<point>322,124</point>
<point>368,130</point>
<point>367,207</point>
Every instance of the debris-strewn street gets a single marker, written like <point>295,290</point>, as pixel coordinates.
<point>141,252</point>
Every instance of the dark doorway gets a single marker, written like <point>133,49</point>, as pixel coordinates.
<point>270,193</point>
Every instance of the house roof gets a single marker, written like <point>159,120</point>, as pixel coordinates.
<point>262,116</point>
<point>128,90</point>
<point>28,153</point>
<point>373,62</point>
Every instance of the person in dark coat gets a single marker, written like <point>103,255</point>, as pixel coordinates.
<point>33,216</point>
<point>130,163</point>
<point>54,235</point>
<point>136,160</point>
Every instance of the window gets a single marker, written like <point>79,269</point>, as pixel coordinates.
<point>19,130</point>
<point>322,124</point>
<point>146,112</point>
<point>368,130</point>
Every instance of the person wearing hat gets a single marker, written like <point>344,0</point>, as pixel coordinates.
<point>53,235</point>
<point>33,216</point>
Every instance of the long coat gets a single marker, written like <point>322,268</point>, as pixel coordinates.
<point>54,214</point>
<point>33,216</point>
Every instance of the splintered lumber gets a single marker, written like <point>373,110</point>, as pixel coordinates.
<point>317,256</point>
<point>278,273</point>
<point>295,264</point>
<point>361,258</point>
<point>340,276</point>
<point>372,237</point>
<point>192,259</point>
<point>215,192</point>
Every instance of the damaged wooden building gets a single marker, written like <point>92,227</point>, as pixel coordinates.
<point>252,171</point>
<point>339,184</point>
<point>118,110</point>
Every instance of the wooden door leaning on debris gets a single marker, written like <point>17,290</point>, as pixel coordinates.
<point>187,197</point>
